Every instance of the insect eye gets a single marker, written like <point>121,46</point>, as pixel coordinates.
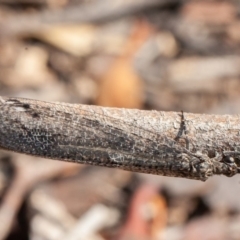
<point>229,160</point>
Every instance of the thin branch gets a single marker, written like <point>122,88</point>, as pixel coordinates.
<point>28,174</point>
<point>96,12</point>
<point>139,141</point>
<point>36,2</point>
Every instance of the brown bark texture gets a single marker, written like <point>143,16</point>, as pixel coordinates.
<point>164,143</point>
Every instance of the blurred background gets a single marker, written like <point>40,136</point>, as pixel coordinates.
<point>167,55</point>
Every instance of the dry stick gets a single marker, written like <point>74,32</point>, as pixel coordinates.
<point>35,2</point>
<point>28,174</point>
<point>95,12</point>
<point>163,143</point>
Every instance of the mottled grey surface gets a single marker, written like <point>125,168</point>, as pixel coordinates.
<point>164,143</point>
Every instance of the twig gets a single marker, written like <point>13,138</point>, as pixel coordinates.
<point>37,2</point>
<point>96,12</point>
<point>28,174</point>
<point>134,140</point>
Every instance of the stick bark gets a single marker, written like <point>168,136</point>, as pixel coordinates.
<point>164,143</point>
